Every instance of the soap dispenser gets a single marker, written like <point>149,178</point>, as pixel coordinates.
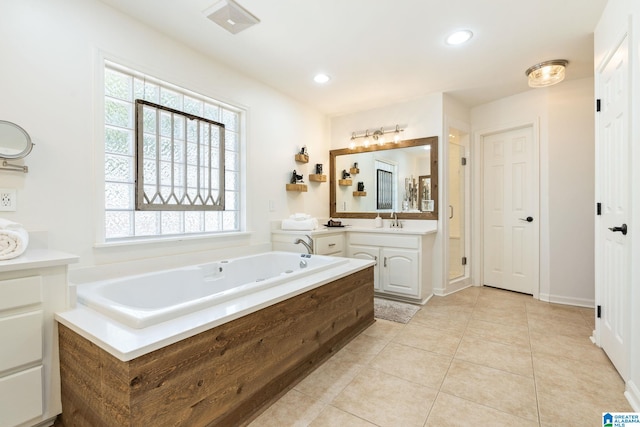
<point>378,221</point>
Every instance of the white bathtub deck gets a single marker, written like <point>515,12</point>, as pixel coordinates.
<point>127,343</point>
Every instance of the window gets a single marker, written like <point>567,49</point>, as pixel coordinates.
<point>122,221</point>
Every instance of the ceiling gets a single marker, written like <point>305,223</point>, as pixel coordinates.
<point>380,52</point>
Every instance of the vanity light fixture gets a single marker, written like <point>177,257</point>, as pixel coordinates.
<point>378,136</point>
<point>546,73</point>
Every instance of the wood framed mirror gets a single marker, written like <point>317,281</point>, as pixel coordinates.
<point>388,178</point>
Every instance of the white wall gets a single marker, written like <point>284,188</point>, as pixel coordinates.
<point>564,117</point>
<point>618,18</point>
<point>50,86</point>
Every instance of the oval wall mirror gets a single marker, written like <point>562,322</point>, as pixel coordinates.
<point>15,142</point>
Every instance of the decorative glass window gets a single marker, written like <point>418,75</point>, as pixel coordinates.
<point>384,185</point>
<point>215,201</point>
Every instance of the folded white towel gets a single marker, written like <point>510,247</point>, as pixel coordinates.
<point>13,239</point>
<point>300,216</point>
<point>300,225</point>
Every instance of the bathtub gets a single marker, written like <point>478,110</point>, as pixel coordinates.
<point>144,300</point>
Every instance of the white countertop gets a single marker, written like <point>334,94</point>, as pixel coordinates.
<point>421,230</point>
<point>127,343</point>
<point>37,258</point>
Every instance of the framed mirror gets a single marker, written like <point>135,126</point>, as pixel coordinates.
<point>15,142</point>
<point>395,177</point>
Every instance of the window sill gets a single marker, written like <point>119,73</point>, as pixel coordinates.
<point>155,240</point>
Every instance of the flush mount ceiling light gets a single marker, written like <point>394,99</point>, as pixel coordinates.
<point>546,73</point>
<point>231,16</point>
<point>321,78</point>
<point>459,37</point>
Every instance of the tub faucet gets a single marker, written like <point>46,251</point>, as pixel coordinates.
<point>309,245</point>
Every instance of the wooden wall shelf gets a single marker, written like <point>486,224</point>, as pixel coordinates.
<point>354,171</point>
<point>359,193</point>
<point>317,178</point>
<point>297,187</point>
<point>302,158</point>
<point>345,182</point>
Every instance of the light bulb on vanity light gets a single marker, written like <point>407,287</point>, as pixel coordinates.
<point>352,141</point>
<point>365,143</point>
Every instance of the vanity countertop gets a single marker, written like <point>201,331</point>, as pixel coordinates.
<point>37,258</point>
<point>422,230</point>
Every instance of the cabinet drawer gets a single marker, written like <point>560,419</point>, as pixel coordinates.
<point>21,397</point>
<point>325,245</point>
<point>21,337</point>
<point>20,292</point>
<point>383,239</point>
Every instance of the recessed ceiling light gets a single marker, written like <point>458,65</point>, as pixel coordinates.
<point>459,37</point>
<point>321,78</point>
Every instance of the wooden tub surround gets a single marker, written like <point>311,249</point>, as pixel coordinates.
<point>225,376</point>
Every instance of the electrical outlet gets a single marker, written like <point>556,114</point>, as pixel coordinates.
<point>8,201</point>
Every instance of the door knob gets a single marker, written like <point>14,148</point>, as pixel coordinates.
<point>528,219</point>
<point>622,229</point>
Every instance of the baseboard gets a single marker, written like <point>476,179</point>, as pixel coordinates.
<point>556,299</point>
<point>632,393</point>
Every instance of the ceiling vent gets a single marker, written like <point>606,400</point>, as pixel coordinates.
<point>231,16</point>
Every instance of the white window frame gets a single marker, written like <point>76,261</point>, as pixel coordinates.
<point>237,209</point>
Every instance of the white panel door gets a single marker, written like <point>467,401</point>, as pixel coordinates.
<point>368,253</point>
<point>510,208</point>
<point>400,271</point>
<point>613,179</point>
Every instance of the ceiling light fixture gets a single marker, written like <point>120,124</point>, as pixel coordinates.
<point>231,16</point>
<point>377,135</point>
<point>547,73</point>
<point>459,37</point>
<point>321,78</point>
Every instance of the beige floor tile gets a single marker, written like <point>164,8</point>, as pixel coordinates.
<point>383,329</point>
<point>449,410</point>
<point>334,417</point>
<point>441,321</point>
<point>430,339</point>
<point>412,364</point>
<point>504,391</point>
<point>572,347</point>
<point>326,382</point>
<point>386,400</point>
<point>495,355</point>
<point>365,347</point>
<point>516,316</point>
<point>568,408</point>
<point>597,380</point>
<point>294,409</point>
<point>547,325</point>
<point>517,335</point>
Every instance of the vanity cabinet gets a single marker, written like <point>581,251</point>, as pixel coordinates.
<point>403,268</point>
<point>31,291</point>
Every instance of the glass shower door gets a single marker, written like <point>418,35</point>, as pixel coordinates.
<point>456,211</point>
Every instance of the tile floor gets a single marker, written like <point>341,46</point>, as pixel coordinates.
<point>478,357</point>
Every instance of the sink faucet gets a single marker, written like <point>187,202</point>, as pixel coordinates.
<point>395,223</point>
<point>309,245</point>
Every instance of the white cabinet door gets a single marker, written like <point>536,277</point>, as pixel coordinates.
<point>369,253</point>
<point>400,272</point>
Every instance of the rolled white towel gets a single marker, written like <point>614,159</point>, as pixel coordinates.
<point>13,239</point>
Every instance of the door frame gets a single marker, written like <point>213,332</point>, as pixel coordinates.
<point>477,192</point>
